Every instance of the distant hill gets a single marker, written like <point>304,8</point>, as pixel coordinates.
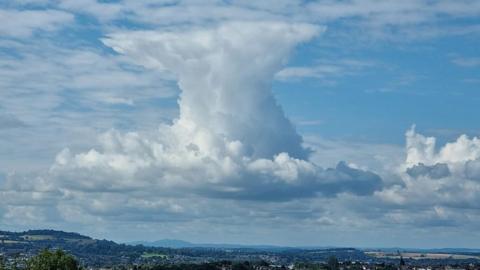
<point>49,233</point>
<point>168,243</point>
<point>105,253</point>
<point>88,250</point>
<point>173,243</point>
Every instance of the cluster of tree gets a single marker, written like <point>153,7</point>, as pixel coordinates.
<point>246,265</point>
<point>45,260</point>
<point>56,234</point>
<point>48,260</point>
<point>331,264</point>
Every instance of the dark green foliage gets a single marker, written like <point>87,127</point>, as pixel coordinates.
<point>15,263</point>
<point>390,267</point>
<point>263,263</point>
<point>310,266</point>
<point>57,234</point>
<point>2,263</point>
<point>203,266</point>
<point>242,266</point>
<point>332,263</point>
<point>52,260</point>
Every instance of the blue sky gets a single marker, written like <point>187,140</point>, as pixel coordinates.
<point>418,81</point>
<point>278,122</point>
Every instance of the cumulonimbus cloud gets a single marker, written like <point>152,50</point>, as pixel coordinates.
<point>231,139</point>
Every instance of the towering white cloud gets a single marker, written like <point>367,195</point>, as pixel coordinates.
<point>231,138</point>
<point>225,75</point>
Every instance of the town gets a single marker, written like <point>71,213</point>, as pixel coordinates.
<point>36,249</point>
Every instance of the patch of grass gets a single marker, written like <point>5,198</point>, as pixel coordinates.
<point>37,237</point>
<point>153,255</point>
<point>12,242</point>
<point>80,241</point>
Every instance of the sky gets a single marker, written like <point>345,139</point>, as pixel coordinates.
<point>286,122</point>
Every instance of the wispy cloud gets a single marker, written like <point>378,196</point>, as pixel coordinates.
<point>24,23</point>
<point>10,121</point>
<point>325,70</point>
<point>467,62</point>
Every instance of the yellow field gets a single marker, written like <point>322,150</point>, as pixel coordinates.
<point>419,255</point>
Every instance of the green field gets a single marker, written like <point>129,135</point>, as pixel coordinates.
<point>11,242</point>
<point>38,237</point>
<point>153,255</point>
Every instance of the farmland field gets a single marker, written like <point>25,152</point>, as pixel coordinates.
<point>421,255</point>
